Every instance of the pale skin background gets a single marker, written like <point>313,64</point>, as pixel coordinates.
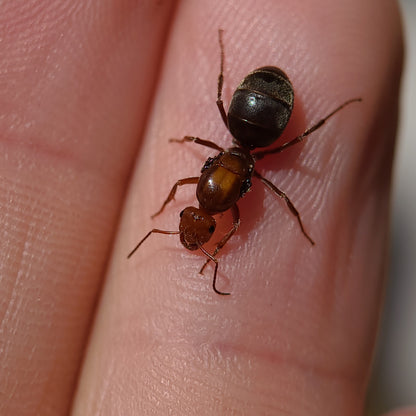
<point>91,91</point>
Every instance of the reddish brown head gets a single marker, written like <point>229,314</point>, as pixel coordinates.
<point>196,227</point>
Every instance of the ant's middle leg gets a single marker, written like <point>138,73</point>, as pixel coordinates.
<point>289,203</point>
<point>197,140</point>
<point>221,244</point>
<point>180,182</point>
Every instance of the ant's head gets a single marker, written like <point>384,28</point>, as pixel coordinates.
<point>195,228</point>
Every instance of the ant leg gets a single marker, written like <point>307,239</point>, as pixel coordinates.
<point>155,230</point>
<point>307,132</point>
<point>214,280</point>
<point>289,203</point>
<point>220,104</point>
<point>221,244</point>
<point>197,140</point>
<point>172,193</point>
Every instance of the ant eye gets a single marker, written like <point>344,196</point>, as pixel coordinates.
<point>211,229</point>
<point>181,213</point>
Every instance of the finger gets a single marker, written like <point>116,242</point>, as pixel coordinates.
<point>296,334</point>
<point>76,82</point>
<point>402,412</point>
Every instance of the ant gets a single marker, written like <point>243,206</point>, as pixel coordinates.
<point>259,111</point>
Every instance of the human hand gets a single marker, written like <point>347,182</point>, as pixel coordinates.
<point>297,333</point>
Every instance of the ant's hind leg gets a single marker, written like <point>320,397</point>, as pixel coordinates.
<point>220,103</point>
<point>260,154</point>
<point>289,203</point>
<point>197,140</point>
<point>180,182</point>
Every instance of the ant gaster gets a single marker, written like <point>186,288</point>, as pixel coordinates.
<point>258,113</point>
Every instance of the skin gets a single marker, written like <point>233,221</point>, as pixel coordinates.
<point>90,94</point>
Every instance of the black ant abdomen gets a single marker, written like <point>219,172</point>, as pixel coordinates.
<point>261,107</point>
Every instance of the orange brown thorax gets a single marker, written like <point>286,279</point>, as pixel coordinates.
<point>224,180</point>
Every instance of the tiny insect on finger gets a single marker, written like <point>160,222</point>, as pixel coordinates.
<point>258,114</point>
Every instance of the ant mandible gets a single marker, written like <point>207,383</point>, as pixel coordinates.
<point>259,111</point>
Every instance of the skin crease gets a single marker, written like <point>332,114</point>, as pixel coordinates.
<point>296,336</point>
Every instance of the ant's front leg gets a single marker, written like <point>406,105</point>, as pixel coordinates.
<point>214,280</point>
<point>180,182</point>
<point>221,244</point>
